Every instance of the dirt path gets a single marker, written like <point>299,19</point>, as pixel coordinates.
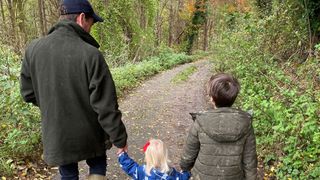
<point>159,109</point>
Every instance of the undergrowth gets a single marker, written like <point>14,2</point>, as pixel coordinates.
<point>130,75</point>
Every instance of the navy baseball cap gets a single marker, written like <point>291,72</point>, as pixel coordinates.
<point>78,6</point>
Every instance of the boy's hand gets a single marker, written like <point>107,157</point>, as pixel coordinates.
<point>121,150</point>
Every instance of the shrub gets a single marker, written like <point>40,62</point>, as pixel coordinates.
<point>19,122</point>
<point>130,75</point>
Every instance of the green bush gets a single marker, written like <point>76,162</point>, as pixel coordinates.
<point>130,75</point>
<point>19,122</point>
<point>122,36</point>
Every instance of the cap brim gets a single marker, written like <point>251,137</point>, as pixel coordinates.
<point>97,18</point>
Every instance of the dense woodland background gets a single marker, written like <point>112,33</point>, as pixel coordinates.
<point>272,46</point>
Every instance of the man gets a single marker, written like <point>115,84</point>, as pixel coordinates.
<point>66,76</point>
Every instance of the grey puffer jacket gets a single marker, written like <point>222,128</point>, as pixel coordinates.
<point>221,146</point>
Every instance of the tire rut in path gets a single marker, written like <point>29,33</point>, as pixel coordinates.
<point>159,109</point>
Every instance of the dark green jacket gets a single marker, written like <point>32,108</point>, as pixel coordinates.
<point>66,76</point>
<point>221,146</point>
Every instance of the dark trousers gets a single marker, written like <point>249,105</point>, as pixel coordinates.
<point>97,165</point>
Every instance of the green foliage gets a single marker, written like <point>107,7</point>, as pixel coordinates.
<point>317,47</point>
<point>130,75</point>
<point>184,75</point>
<point>290,20</point>
<point>265,6</point>
<point>19,127</point>
<point>312,10</point>
<point>122,36</point>
<point>5,167</point>
<point>200,54</point>
<point>285,100</point>
<point>307,9</point>
<point>284,31</point>
<point>198,19</point>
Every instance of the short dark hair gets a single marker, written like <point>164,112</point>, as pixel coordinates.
<point>71,17</point>
<point>224,89</point>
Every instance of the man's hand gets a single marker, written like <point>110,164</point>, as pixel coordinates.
<point>124,149</point>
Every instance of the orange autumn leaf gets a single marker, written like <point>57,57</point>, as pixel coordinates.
<point>190,6</point>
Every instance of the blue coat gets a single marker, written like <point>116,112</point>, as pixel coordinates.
<point>137,172</point>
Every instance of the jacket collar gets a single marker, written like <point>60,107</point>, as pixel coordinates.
<point>155,173</point>
<point>72,26</point>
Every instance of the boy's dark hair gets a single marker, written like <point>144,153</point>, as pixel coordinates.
<point>224,89</point>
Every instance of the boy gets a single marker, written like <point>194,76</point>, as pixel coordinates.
<point>221,142</point>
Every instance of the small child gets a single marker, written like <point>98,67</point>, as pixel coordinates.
<point>221,142</point>
<point>156,168</point>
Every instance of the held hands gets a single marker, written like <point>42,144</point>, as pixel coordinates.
<point>121,150</point>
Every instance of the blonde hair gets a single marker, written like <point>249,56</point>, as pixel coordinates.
<point>156,156</point>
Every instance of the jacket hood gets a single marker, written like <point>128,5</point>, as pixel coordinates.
<point>72,26</point>
<point>224,124</point>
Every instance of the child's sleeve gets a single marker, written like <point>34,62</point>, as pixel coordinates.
<point>185,175</point>
<point>128,165</point>
<point>191,148</point>
<point>250,156</point>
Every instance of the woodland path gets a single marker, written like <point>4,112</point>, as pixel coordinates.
<point>160,109</point>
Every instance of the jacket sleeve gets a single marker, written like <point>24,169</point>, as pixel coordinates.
<point>103,100</point>
<point>185,175</point>
<point>26,87</point>
<point>128,165</point>
<point>250,156</point>
<point>191,149</point>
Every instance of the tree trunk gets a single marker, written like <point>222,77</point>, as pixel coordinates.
<point>23,37</point>
<point>12,31</point>
<point>42,28</point>
<point>180,23</point>
<point>171,23</point>
<point>45,21</point>
<point>210,33</point>
<point>159,21</point>
<point>142,16</point>
<point>2,13</point>
<point>205,35</point>
<point>12,16</point>
<point>157,28</point>
<point>35,23</point>
<point>53,12</point>
<point>198,19</point>
<point>3,25</point>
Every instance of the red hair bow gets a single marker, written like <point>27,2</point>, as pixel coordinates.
<point>145,147</point>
